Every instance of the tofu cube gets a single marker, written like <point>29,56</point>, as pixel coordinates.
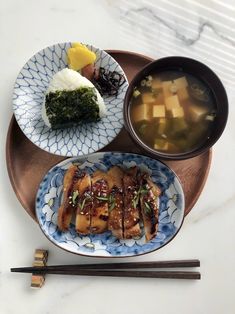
<point>183,94</point>
<point>159,111</point>
<point>156,84</point>
<point>173,88</point>
<point>142,112</point>
<point>148,98</point>
<point>166,86</point>
<point>177,112</point>
<point>160,144</point>
<point>172,102</point>
<point>161,126</point>
<point>197,112</point>
<point>181,82</point>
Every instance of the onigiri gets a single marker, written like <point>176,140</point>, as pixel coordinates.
<point>71,99</point>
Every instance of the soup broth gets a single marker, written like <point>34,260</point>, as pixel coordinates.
<point>172,111</point>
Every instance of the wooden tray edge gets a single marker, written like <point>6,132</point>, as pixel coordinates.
<point>201,186</point>
<point>9,168</point>
<point>113,51</point>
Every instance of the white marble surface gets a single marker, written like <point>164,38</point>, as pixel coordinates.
<point>204,30</point>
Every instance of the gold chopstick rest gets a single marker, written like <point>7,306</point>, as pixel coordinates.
<point>37,281</point>
<point>40,255</point>
<point>40,260</point>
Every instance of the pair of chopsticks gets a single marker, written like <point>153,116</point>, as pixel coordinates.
<point>132,269</point>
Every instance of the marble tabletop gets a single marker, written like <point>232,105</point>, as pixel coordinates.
<point>203,30</point>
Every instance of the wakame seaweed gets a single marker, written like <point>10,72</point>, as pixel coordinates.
<point>68,108</point>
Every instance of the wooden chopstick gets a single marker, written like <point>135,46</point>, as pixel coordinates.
<point>114,266</point>
<point>109,269</point>
<point>128,273</point>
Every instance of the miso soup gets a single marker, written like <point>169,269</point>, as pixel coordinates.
<point>172,111</point>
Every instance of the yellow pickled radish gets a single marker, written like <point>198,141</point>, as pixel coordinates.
<point>79,56</point>
<point>75,45</point>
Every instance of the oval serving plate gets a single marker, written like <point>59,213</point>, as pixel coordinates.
<point>171,208</point>
<point>28,95</point>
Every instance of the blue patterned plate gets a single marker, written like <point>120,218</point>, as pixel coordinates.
<point>29,90</point>
<point>171,209</point>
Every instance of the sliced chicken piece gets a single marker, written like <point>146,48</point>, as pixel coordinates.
<point>149,194</point>
<point>67,207</point>
<point>100,195</point>
<point>84,204</point>
<point>131,204</point>
<point>115,221</point>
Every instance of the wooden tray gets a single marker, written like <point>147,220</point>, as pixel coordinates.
<point>27,164</point>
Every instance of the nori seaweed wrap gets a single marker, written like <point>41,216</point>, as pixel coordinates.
<point>68,108</point>
<point>70,100</point>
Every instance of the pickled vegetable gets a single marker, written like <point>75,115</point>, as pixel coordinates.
<point>80,56</point>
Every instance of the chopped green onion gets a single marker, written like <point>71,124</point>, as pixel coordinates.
<point>135,201</point>
<point>75,197</point>
<point>149,77</point>
<point>136,93</point>
<point>149,83</point>
<point>81,205</point>
<point>210,117</point>
<point>143,83</point>
<point>112,202</point>
<point>102,198</point>
<point>147,208</point>
<point>143,190</point>
<point>111,207</point>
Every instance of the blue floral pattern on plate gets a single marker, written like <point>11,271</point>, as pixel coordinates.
<point>29,90</point>
<point>171,209</point>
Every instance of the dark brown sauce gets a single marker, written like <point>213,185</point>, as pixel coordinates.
<point>104,217</point>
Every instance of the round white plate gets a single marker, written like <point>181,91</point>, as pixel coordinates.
<point>28,95</point>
